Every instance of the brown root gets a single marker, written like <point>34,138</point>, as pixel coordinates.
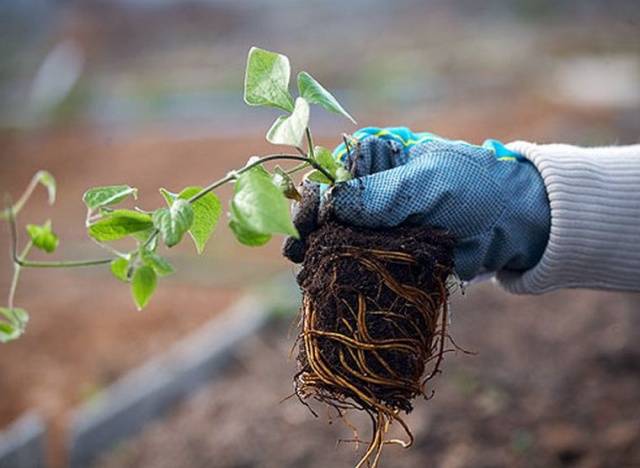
<point>373,320</point>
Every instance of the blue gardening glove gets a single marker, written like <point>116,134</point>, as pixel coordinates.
<point>491,199</point>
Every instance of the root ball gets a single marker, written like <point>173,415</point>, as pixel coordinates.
<point>373,321</point>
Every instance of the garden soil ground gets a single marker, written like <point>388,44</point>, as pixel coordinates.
<point>555,383</point>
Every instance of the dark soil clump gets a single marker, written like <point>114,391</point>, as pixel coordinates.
<point>373,319</point>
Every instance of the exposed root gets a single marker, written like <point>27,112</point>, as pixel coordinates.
<point>374,315</point>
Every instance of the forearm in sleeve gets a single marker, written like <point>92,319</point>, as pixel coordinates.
<point>594,242</point>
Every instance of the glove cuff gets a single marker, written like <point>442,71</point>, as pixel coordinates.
<point>594,196</point>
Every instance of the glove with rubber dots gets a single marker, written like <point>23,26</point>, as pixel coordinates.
<point>491,199</point>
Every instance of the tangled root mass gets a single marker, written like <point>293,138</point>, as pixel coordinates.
<point>373,321</point>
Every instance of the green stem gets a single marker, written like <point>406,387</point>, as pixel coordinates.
<point>15,209</point>
<point>20,261</point>
<point>17,268</point>
<point>272,157</point>
<point>347,145</point>
<point>108,248</point>
<point>63,263</point>
<point>234,174</point>
<point>151,237</point>
<point>312,155</point>
<point>297,168</point>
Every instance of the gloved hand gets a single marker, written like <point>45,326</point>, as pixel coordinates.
<point>491,199</point>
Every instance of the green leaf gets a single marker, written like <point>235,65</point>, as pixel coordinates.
<point>119,224</point>
<point>266,80</point>
<point>173,222</point>
<point>168,196</point>
<point>244,235</point>
<point>259,167</point>
<point>8,332</point>
<point>16,316</point>
<point>143,284</point>
<point>159,264</point>
<point>43,237</point>
<point>206,213</point>
<point>98,197</point>
<point>318,177</point>
<point>14,326</point>
<point>259,208</point>
<point>120,269</point>
<point>237,223</point>
<point>22,314</point>
<point>315,93</point>
<point>289,130</point>
<point>325,158</point>
<point>46,179</point>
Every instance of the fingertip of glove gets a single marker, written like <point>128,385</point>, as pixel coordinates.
<point>342,202</point>
<point>374,154</point>
<point>294,249</point>
<point>305,212</point>
<point>346,189</point>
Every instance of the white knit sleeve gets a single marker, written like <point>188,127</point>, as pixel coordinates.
<point>594,241</point>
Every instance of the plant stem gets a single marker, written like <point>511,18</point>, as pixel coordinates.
<point>15,209</point>
<point>271,157</point>
<point>19,259</point>
<point>107,247</point>
<point>347,145</point>
<point>297,168</point>
<point>63,263</point>
<point>17,268</point>
<point>312,155</point>
<point>234,174</point>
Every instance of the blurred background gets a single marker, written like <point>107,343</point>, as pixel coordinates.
<point>149,93</point>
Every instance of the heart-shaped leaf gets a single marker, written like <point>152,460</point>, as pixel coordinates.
<point>266,81</point>
<point>290,129</point>
<point>143,284</point>
<point>173,222</point>
<point>47,180</point>
<point>315,93</point>
<point>118,224</point>
<point>245,235</point>
<point>98,197</point>
<point>206,213</point>
<point>324,157</point>
<point>259,208</point>
<point>159,264</point>
<point>120,269</point>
